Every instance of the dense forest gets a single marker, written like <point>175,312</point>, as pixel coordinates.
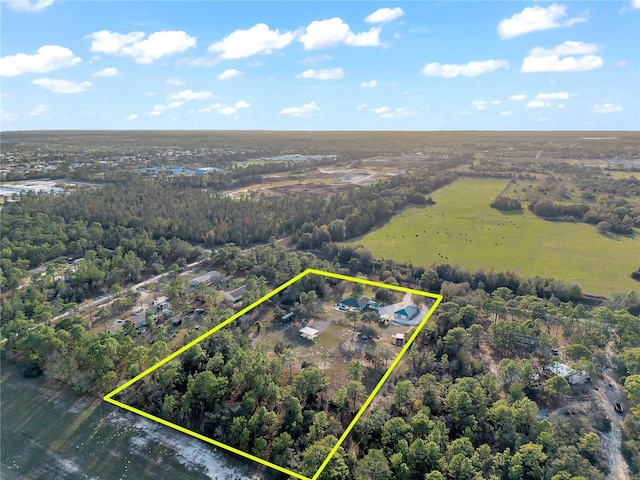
<point>143,216</point>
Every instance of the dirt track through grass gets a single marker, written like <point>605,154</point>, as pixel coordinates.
<point>462,229</point>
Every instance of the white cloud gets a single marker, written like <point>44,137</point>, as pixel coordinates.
<point>380,110</point>
<point>107,72</point>
<point>229,73</point>
<point>362,106</point>
<point>324,74</point>
<point>520,96</point>
<point>533,19</point>
<point>479,104</point>
<point>635,3</point>
<point>211,107</point>
<point>155,46</point>
<point>496,102</point>
<point>206,61</point>
<point>471,69</point>
<point>188,95</point>
<point>537,104</point>
<point>543,60</point>
<point>133,116</point>
<point>176,104</point>
<point>553,96</point>
<point>334,32</point>
<point>316,59</point>
<point>227,110</point>
<point>62,86</point>
<point>606,108</point>
<point>8,116</point>
<point>47,59</point>
<point>622,63</point>
<point>369,84</point>
<point>151,94</point>
<point>506,112</point>
<point>177,82</point>
<point>301,111</point>
<point>29,5</point>
<point>259,39</point>
<point>38,110</point>
<point>386,112</point>
<point>384,15</point>
<point>158,109</point>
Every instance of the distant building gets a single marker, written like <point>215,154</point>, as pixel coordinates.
<point>406,313</point>
<point>236,294</point>
<point>209,277</point>
<point>573,377</point>
<point>526,340</point>
<point>398,339</point>
<point>358,304</point>
<point>309,333</point>
<point>287,317</point>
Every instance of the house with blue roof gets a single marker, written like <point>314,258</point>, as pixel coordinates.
<point>354,303</point>
<point>406,313</point>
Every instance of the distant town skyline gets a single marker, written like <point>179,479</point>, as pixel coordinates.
<point>320,65</point>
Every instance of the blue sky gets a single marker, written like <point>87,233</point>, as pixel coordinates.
<point>438,65</point>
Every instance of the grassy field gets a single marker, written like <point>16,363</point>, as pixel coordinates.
<point>462,229</point>
<point>621,174</point>
<point>49,432</point>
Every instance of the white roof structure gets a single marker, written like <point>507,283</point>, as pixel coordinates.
<point>561,369</point>
<point>309,333</point>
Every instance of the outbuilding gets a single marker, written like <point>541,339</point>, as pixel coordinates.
<point>309,333</point>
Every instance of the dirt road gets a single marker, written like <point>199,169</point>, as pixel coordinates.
<point>608,393</point>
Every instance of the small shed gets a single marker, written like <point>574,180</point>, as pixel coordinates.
<point>176,321</point>
<point>287,317</point>
<point>385,318</point>
<point>309,333</point>
<point>398,339</point>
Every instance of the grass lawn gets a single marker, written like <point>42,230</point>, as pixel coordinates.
<point>462,229</point>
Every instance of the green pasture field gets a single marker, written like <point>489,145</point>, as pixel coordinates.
<point>462,229</point>
<point>622,174</point>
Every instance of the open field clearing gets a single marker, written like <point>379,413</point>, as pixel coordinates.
<point>462,229</point>
<point>50,432</point>
<point>622,174</point>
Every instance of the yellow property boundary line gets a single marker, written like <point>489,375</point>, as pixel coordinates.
<point>109,397</point>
